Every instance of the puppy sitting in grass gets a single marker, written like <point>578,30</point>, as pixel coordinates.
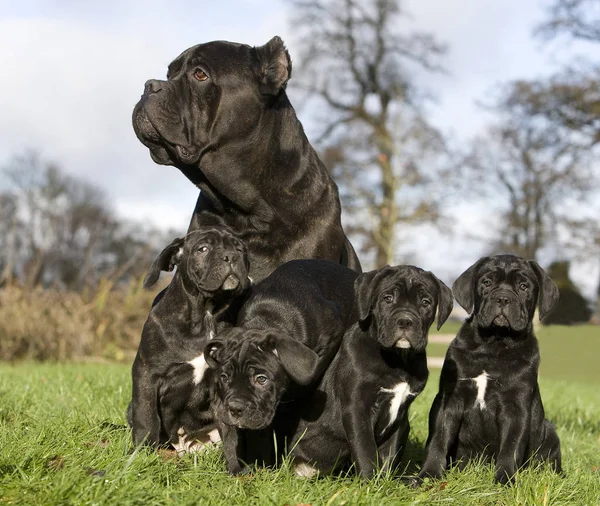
<point>359,413</point>
<point>287,333</point>
<point>170,401</point>
<point>489,402</point>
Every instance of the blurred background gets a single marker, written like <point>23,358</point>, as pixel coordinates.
<point>454,128</point>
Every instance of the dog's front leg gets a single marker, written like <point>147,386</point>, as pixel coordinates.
<point>145,421</point>
<point>232,449</point>
<point>361,438</point>
<point>444,424</point>
<point>513,423</point>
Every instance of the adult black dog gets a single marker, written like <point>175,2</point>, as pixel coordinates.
<point>224,119</point>
<point>289,330</point>
<point>171,395</point>
<point>359,413</point>
<point>489,403</point>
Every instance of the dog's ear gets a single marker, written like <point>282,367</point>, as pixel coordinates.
<point>364,288</point>
<point>275,66</point>
<point>298,360</point>
<point>166,261</point>
<point>212,353</point>
<point>462,288</point>
<point>548,294</point>
<point>445,301</point>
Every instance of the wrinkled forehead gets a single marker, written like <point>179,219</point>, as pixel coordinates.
<point>212,237</point>
<point>408,280</point>
<point>507,268</point>
<point>226,55</point>
<point>248,348</point>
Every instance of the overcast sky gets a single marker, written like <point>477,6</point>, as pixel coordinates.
<point>72,72</point>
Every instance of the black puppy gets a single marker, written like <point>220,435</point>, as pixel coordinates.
<point>288,332</point>
<point>360,411</point>
<point>170,401</point>
<point>224,119</point>
<point>489,402</point>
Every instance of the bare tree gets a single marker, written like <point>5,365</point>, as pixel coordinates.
<point>577,19</point>
<point>542,175</point>
<point>59,230</point>
<point>357,64</point>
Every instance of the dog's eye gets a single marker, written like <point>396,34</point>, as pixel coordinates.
<point>200,75</point>
<point>426,302</point>
<point>203,249</point>
<point>388,298</point>
<point>261,379</point>
<point>486,282</point>
<point>224,378</point>
<point>524,286</point>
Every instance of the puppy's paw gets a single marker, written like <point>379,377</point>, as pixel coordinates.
<point>504,477</point>
<point>413,481</point>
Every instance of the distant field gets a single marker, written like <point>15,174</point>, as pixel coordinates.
<point>63,441</point>
<point>567,353</point>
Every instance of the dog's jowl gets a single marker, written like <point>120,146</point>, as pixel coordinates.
<point>223,118</point>
<point>359,412</point>
<point>170,402</point>
<point>489,403</point>
<point>289,330</point>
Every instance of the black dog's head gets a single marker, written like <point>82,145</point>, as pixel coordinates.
<point>253,369</point>
<point>502,291</point>
<point>400,304</point>
<point>214,93</point>
<point>210,261</point>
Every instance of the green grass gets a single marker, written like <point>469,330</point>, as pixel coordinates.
<point>63,441</point>
<point>567,353</point>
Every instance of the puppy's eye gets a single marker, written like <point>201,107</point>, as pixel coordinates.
<point>426,302</point>
<point>486,282</point>
<point>524,287</point>
<point>388,298</point>
<point>202,249</point>
<point>261,379</point>
<point>224,378</point>
<point>200,75</point>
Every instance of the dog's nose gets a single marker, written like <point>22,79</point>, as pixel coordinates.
<point>225,257</point>
<point>236,408</point>
<point>152,86</point>
<point>502,300</point>
<point>405,323</point>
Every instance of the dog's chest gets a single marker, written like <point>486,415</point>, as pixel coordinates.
<point>394,398</point>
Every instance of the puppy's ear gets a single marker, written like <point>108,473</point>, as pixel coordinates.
<point>445,301</point>
<point>462,288</point>
<point>298,360</point>
<point>548,294</point>
<point>364,287</point>
<point>212,353</point>
<point>166,261</point>
<point>275,66</point>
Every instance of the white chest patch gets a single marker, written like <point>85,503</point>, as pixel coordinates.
<point>481,385</point>
<point>400,393</point>
<point>200,366</point>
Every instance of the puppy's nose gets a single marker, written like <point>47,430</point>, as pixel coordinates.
<point>225,257</point>
<point>236,408</point>
<point>405,323</point>
<point>152,86</point>
<point>503,300</point>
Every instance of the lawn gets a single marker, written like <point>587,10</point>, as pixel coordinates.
<point>64,441</point>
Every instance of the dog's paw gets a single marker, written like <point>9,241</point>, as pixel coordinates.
<point>504,477</point>
<point>413,481</point>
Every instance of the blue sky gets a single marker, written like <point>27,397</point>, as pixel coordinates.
<point>72,72</point>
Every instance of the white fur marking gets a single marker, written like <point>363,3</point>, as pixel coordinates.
<point>185,445</point>
<point>481,384</point>
<point>400,393</point>
<point>200,366</point>
<point>402,343</point>
<point>305,470</point>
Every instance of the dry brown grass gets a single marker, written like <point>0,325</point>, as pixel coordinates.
<point>103,322</point>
